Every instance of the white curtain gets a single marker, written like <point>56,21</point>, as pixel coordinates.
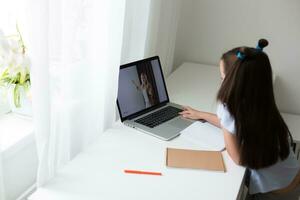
<point>150,29</point>
<point>75,47</point>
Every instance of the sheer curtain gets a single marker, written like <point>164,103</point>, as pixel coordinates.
<point>75,51</point>
<point>150,29</point>
<point>75,47</point>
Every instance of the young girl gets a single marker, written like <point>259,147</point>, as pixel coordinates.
<point>254,132</point>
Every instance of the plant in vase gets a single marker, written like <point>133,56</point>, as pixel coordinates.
<point>14,71</point>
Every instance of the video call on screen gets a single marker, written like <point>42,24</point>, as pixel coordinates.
<point>140,86</point>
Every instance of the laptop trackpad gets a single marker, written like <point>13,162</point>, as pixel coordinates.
<point>180,123</point>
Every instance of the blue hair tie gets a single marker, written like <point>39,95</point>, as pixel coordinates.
<point>240,55</point>
<point>258,48</point>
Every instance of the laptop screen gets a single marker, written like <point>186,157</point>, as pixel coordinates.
<point>141,87</point>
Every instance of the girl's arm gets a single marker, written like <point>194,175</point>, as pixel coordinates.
<point>191,113</point>
<point>231,146</point>
<point>229,138</point>
<point>138,87</point>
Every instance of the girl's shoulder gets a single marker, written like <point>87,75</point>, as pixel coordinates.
<point>226,119</point>
<point>222,110</point>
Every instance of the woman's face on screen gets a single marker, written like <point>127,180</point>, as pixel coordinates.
<point>143,78</point>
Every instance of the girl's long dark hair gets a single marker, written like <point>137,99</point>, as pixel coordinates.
<point>247,91</point>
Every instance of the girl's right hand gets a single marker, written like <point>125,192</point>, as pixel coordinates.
<point>137,87</point>
<point>190,113</point>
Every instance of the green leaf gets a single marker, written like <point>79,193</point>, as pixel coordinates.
<point>4,74</point>
<point>22,76</point>
<point>17,96</point>
<point>26,86</point>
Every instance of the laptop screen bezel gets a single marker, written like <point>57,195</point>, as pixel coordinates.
<point>146,110</point>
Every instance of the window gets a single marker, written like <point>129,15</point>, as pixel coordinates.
<point>12,14</point>
<point>14,128</point>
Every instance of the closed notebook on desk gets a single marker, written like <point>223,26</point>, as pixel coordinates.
<point>195,159</point>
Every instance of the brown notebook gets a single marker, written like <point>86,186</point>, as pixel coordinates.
<point>184,158</point>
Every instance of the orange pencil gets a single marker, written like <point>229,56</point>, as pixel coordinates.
<point>142,172</point>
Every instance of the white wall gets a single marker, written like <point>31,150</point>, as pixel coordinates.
<point>207,28</point>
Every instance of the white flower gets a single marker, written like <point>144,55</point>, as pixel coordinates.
<point>15,46</point>
<point>4,45</point>
<point>26,61</point>
<point>13,60</point>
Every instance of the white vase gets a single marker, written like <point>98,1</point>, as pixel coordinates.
<point>25,102</point>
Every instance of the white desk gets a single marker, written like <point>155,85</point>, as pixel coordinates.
<point>97,173</point>
<point>195,85</point>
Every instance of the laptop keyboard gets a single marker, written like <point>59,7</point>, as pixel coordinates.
<point>154,119</point>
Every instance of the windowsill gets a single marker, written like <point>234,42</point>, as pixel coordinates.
<point>15,132</point>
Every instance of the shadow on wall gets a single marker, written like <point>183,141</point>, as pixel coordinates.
<point>281,89</point>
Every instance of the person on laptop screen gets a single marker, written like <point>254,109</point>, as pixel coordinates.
<point>147,90</point>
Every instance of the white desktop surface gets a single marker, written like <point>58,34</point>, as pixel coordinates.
<point>195,85</point>
<point>97,172</point>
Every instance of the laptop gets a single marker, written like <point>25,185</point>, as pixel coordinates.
<point>143,100</point>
